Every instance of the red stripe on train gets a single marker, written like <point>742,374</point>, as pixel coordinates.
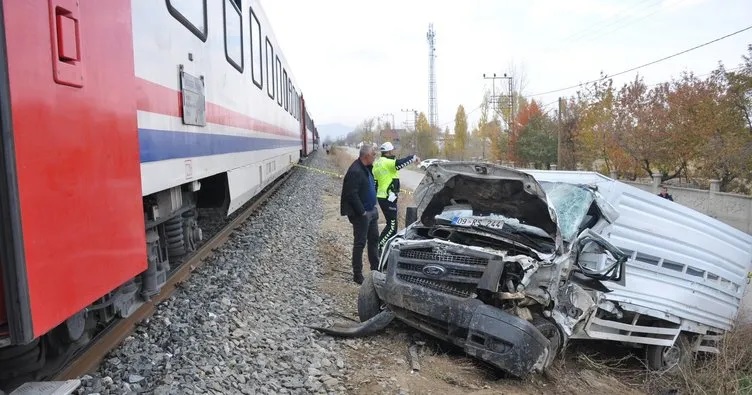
<point>158,99</point>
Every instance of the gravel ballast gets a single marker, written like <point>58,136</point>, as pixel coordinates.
<point>238,325</point>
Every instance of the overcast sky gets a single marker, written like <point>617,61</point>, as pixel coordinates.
<point>358,59</point>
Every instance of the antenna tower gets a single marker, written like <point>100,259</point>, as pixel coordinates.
<point>433,113</point>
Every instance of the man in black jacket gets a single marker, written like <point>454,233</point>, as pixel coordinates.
<point>358,203</point>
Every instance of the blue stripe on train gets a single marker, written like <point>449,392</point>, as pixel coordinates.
<point>156,145</point>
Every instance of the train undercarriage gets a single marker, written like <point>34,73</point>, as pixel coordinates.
<point>171,219</point>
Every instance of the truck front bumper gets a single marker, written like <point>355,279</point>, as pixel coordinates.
<point>485,332</point>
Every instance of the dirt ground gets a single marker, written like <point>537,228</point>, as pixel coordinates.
<point>382,363</point>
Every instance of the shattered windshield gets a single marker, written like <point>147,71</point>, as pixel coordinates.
<point>571,203</point>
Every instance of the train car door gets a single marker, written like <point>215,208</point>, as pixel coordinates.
<point>72,227</point>
<point>13,319</point>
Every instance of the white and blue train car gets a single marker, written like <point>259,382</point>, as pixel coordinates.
<point>221,55</point>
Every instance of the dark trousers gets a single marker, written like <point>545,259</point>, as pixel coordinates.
<point>365,231</point>
<point>390,214</point>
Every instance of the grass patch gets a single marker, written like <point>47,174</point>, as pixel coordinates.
<point>342,158</point>
<point>728,372</point>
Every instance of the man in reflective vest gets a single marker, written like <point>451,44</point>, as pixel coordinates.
<point>386,174</point>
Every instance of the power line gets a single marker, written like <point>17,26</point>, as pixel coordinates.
<point>619,26</point>
<point>646,64</point>
<point>596,28</point>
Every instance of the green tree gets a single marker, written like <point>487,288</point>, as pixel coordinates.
<point>460,132</point>
<point>537,141</point>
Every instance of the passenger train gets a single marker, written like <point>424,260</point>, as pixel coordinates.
<point>119,119</point>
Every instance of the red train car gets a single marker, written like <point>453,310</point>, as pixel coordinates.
<point>72,227</point>
<point>81,239</point>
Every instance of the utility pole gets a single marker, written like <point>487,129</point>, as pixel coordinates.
<point>558,139</point>
<point>407,123</point>
<point>496,99</point>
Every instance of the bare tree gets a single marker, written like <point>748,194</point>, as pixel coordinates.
<point>517,71</point>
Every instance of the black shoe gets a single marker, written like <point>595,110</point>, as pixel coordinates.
<point>358,278</point>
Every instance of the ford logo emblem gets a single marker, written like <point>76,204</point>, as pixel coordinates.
<point>434,270</point>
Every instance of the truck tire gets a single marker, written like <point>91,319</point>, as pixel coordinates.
<point>551,332</point>
<point>369,304</point>
<point>665,359</point>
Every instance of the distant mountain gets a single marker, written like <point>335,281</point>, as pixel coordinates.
<point>334,130</point>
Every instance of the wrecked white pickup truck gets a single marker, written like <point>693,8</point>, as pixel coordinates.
<point>510,265</point>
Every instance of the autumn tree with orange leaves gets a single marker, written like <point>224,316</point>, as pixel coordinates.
<point>527,112</point>
<point>691,127</point>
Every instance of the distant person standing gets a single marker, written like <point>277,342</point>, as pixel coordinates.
<point>386,172</point>
<point>358,203</point>
<point>664,193</point>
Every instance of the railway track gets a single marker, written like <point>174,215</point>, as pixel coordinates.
<point>90,357</point>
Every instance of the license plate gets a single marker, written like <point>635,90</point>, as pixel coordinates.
<point>469,222</point>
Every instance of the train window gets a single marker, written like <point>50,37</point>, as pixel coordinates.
<point>233,34</point>
<point>271,81</point>
<point>278,81</point>
<point>256,59</point>
<point>287,89</point>
<point>292,100</point>
<point>297,106</point>
<point>192,14</point>
<point>289,93</point>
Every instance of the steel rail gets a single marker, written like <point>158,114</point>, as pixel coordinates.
<point>92,355</point>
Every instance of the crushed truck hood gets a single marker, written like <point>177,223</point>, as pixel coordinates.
<point>489,189</point>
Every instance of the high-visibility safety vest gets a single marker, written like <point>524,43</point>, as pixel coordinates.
<point>384,173</point>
